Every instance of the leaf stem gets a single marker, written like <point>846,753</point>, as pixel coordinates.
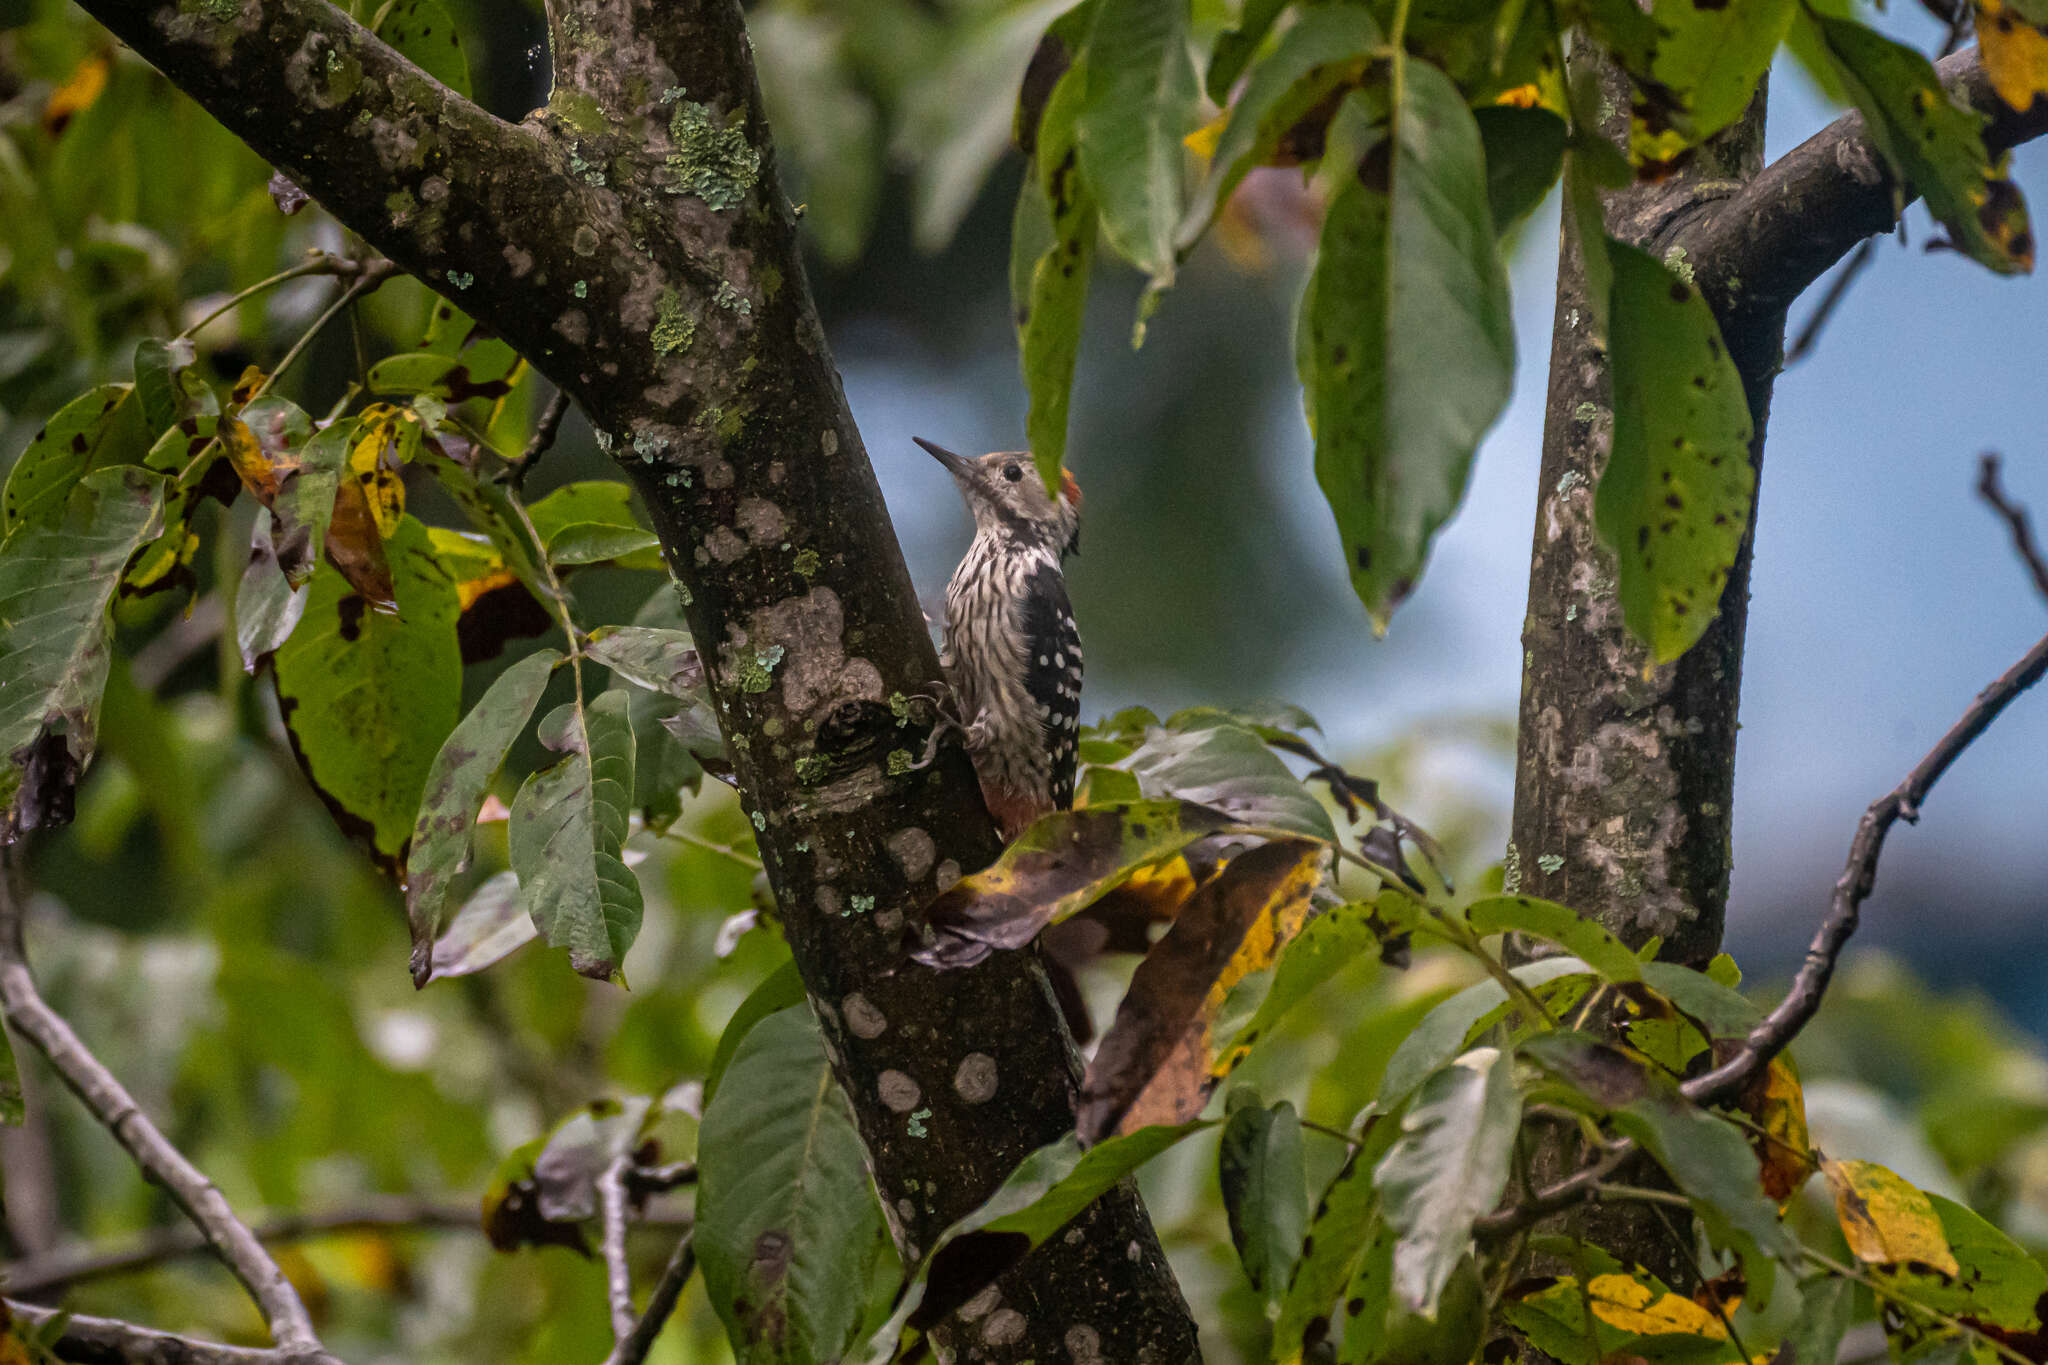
<point>1885,1291</point>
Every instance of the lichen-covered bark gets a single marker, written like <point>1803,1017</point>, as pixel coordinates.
<point>631,241</point>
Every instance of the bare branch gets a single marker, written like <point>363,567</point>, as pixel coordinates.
<point>106,1341</point>
<point>1824,311</point>
<point>618,1272</point>
<point>544,433</point>
<point>110,1103</point>
<point>1992,491</point>
<point>1782,1024</point>
<point>633,1348</point>
<point>1757,250</point>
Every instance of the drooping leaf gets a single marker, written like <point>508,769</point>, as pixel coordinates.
<point>484,930</point>
<point>1444,1031</point>
<point>56,580</point>
<point>659,659</point>
<point>1709,1160</point>
<point>267,607</point>
<point>1057,867</point>
<point>2014,50</point>
<point>1056,219</point>
<point>788,1228</point>
<point>1776,1104</point>
<point>1405,347</point>
<point>1998,1285</point>
<point>77,436</point>
<point>370,695</point>
<point>1159,1061</point>
<point>1347,1227</point>
<point>305,503</point>
<point>1710,57</point>
<point>1886,1220</point>
<point>424,32</point>
<point>1585,938</point>
<point>1324,51</point>
<point>1229,768</point>
<point>1265,1192</point>
<point>569,832</point>
<point>1825,1304</point>
<point>782,988</point>
<point>1449,1166</point>
<point>455,787</point>
<point>1139,101</point>
<point>1524,156</point>
<point>1674,501</point>
<point>166,385</point>
<point>1381,1330</point>
<point>1933,144</point>
<point>1325,946</point>
<point>1236,46</point>
<point>593,523</point>
<point>1047,1191</point>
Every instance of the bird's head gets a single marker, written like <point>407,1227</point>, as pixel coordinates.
<point>1007,497</point>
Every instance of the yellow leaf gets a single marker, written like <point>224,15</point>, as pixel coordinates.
<point>1783,1147</point>
<point>1521,97</point>
<point>1621,1302</point>
<point>83,86</point>
<point>1202,142</point>
<point>385,492</point>
<point>1886,1220</point>
<point>2015,53</point>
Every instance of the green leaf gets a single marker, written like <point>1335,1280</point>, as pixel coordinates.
<point>1236,46</point>
<point>368,695</point>
<point>1825,1304</point>
<point>56,580</point>
<point>1407,351</point>
<point>569,833</point>
<point>1725,1013</point>
<point>1673,503</point>
<point>1444,1031</point>
<point>452,379</point>
<point>788,1229</point>
<point>659,659</point>
<point>1049,314</point>
<point>267,607</point>
<point>1999,1283</point>
<point>1326,49</point>
<point>1140,101</point>
<point>456,784</point>
<point>1047,1191</point>
<point>1932,143</point>
<point>1228,767</point>
<point>1265,1192</point>
<point>424,33</point>
<point>825,124</point>
<point>1449,1166</point>
<point>591,523</point>
<point>13,1108</point>
<point>1558,924</point>
<point>165,384</point>
<point>304,507</point>
<point>1524,156</point>
<point>56,458</point>
<point>782,988</point>
<point>1058,867</point>
<point>1708,1158</point>
<point>1711,56</point>
<point>1325,946</point>
<point>1348,1227</point>
<point>484,930</point>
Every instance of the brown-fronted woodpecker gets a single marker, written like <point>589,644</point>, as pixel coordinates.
<point>1010,650</point>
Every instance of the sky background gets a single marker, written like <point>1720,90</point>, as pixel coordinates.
<point>1885,595</point>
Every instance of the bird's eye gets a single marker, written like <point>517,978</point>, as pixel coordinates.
<point>1013,472</point>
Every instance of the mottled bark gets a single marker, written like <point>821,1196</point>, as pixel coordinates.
<point>630,239</point>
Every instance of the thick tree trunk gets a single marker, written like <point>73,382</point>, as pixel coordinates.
<point>632,242</point>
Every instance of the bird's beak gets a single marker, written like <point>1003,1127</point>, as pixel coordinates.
<point>958,466</point>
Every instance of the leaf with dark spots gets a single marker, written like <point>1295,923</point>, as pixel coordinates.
<point>1603,1074</point>
<point>455,788</point>
<point>484,930</point>
<point>1265,1196</point>
<point>267,608</point>
<point>98,427</point>
<point>355,548</point>
<point>372,694</point>
<point>57,579</point>
<point>568,836</point>
<point>1673,438</point>
<point>511,1207</point>
<point>1346,1228</point>
<point>788,1230</point>
<point>1585,938</point>
<point>1052,245</point>
<point>658,659</point>
<point>1048,1190</point>
<point>424,32</point>
<point>168,386</point>
<point>1058,866</point>
<point>450,379</point>
<point>1159,1062</point>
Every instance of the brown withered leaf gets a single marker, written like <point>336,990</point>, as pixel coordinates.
<point>356,548</point>
<point>1057,867</point>
<point>1783,1147</point>
<point>1157,1063</point>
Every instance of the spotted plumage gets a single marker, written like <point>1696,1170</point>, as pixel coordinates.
<point>1011,651</point>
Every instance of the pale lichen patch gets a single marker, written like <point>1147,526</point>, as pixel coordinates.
<point>761,519</point>
<point>818,673</point>
<point>913,851</point>
<point>863,1020</point>
<point>898,1091</point>
<point>975,1078</point>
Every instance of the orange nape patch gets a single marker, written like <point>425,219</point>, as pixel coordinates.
<point>1070,491</point>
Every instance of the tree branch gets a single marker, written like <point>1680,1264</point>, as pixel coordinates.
<point>631,241</point>
<point>618,1272</point>
<point>661,1304</point>
<point>110,1103</point>
<point>1782,1024</point>
<point>106,1341</point>
<point>1757,250</point>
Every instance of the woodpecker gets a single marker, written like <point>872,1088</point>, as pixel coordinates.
<point>1010,650</point>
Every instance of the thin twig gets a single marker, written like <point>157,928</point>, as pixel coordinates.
<point>661,1303</point>
<point>322,263</point>
<point>642,1181</point>
<point>1837,290</point>
<point>618,1272</point>
<point>543,437</point>
<point>1575,1188</point>
<point>1703,1281</point>
<point>677,832</point>
<point>109,1102</point>
<point>1903,802</point>
<point>105,1341</point>
<point>2016,520</point>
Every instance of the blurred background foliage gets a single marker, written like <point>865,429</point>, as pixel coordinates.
<point>244,969</point>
